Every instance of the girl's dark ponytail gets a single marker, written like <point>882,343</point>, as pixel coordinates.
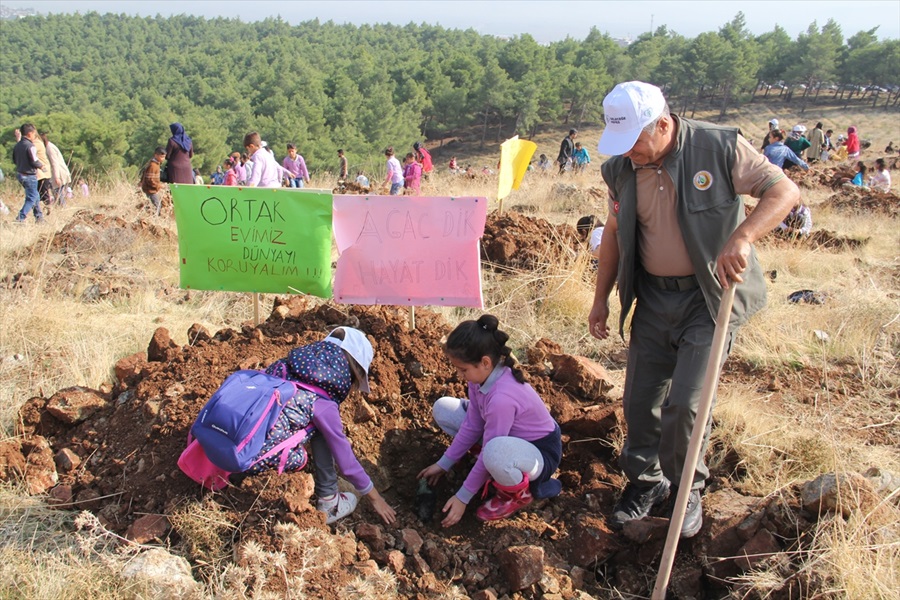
<point>473,339</point>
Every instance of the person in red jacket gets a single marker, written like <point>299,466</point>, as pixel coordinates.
<point>423,157</point>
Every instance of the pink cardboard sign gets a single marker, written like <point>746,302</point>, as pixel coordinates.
<point>408,251</point>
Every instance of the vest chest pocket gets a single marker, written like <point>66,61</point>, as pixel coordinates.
<point>703,191</point>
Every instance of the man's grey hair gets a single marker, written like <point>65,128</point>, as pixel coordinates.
<point>651,127</point>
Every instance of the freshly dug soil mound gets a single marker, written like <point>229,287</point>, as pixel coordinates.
<point>818,239</point>
<point>517,241</point>
<point>864,200</point>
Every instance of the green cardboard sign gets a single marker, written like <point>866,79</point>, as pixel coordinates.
<point>272,240</point>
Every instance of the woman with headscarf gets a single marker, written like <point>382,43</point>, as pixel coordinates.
<point>852,143</point>
<point>179,151</point>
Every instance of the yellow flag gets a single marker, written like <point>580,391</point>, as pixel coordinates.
<point>515,154</point>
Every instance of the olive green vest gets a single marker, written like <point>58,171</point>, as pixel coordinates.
<point>708,212</point>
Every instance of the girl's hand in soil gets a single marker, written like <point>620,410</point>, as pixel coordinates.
<point>454,510</point>
<point>381,506</point>
<point>432,474</point>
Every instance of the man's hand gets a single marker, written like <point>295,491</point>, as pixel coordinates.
<point>597,319</point>
<point>454,508</point>
<point>732,261</point>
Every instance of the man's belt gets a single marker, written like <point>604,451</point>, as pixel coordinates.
<point>673,284</point>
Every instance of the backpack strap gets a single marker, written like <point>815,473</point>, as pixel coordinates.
<point>276,397</point>
<point>298,438</point>
<point>285,446</point>
<point>312,388</point>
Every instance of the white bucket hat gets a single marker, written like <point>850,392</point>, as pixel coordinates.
<point>357,345</point>
<point>629,108</point>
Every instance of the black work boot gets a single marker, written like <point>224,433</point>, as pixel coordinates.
<point>693,514</point>
<point>637,501</point>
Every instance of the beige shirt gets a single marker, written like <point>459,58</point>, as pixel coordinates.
<point>661,245</point>
<point>44,172</point>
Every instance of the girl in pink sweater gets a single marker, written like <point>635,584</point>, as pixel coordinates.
<point>521,440</point>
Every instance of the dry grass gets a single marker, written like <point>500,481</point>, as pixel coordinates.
<point>63,341</point>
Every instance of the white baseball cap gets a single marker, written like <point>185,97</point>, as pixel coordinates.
<point>799,128</point>
<point>629,108</point>
<point>358,346</point>
<point>773,123</point>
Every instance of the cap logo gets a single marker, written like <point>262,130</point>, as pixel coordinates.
<point>648,112</point>
<point>703,180</point>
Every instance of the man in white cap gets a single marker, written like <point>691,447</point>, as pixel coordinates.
<point>675,237</point>
<point>773,126</point>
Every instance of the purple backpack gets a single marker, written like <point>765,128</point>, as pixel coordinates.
<point>233,425</point>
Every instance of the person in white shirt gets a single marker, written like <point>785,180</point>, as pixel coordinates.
<point>881,178</point>
<point>394,176</point>
<point>590,228</point>
<point>266,171</point>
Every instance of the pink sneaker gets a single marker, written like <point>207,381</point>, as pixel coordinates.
<point>508,500</point>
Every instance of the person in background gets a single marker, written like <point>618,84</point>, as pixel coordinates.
<point>773,125</point>
<point>294,164</point>
<point>218,177</point>
<point>881,178</point>
<point>44,174</point>
<point>780,155</point>
<point>544,164</point>
<point>590,228</point>
<point>840,150</point>
<point>239,171</point>
<point>816,143</point>
<point>412,175</point>
<point>394,175</point>
<point>858,180</point>
<point>247,163</point>
<point>827,146</point>
<point>797,140</point>
<point>580,158</point>
<point>60,175</point>
<point>198,179</point>
<point>852,142</point>
<point>342,165</point>
<point>179,151</point>
<point>453,166</point>
<point>423,157</point>
<point>673,261</point>
<point>266,172</point>
<point>361,179</point>
<point>231,177</point>
<point>150,183</point>
<point>85,190</point>
<point>798,222</point>
<point>27,164</point>
<point>566,148</point>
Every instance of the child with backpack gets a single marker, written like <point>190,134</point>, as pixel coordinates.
<point>521,441</point>
<point>319,377</point>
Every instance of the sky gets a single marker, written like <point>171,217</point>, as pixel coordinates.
<point>545,20</point>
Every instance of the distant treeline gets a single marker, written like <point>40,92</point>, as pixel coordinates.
<point>106,86</point>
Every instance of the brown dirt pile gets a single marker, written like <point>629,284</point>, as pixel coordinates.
<point>864,200</point>
<point>517,241</point>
